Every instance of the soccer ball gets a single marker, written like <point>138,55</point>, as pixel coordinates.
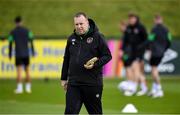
<point>123,86</point>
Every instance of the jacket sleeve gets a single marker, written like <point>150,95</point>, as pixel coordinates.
<point>143,33</point>
<point>31,38</point>
<point>65,66</point>
<point>144,38</point>
<point>124,42</point>
<point>104,53</point>
<point>169,37</point>
<point>10,39</point>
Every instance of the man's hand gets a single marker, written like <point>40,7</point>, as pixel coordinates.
<point>64,84</point>
<point>90,64</point>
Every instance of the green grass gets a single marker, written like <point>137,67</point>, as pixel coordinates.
<point>55,17</point>
<point>49,97</point>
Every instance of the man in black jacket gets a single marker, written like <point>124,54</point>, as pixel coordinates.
<point>134,37</point>
<point>160,40</point>
<point>85,54</point>
<point>21,37</point>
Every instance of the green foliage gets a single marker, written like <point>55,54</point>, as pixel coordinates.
<point>55,17</point>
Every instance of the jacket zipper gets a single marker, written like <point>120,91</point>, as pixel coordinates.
<point>79,51</point>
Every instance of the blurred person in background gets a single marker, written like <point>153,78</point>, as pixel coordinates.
<point>135,35</point>
<point>160,40</point>
<point>86,53</point>
<point>21,36</point>
<point>125,54</point>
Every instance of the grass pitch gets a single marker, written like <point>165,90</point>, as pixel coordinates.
<point>48,97</point>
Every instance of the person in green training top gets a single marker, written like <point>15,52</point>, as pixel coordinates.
<point>21,37</point>
<point>159,42</point>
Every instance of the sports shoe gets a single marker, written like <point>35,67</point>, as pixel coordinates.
<point>28,91</point>
<point>129,93</point>
<point>17,91</point>
<point>158,94</point>
<point>141,92</point>
<point>28,88</point>
<point>152,92</point>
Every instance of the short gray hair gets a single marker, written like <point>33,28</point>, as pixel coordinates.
<point>81,14</point>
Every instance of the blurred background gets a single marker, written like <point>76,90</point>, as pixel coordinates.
<point>51,22</point>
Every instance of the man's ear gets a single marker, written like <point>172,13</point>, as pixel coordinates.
<point>87,21</point>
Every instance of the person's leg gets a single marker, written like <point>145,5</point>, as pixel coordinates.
<point>155,75</point>
<point>19,88</point>
<point>92,99</point>
<point>132,84</point>
<point>129,73</point>
<point>136,70</point>
<point>28,78</point>
<point>156,90</point>
<point>73,100</point>
<point>124,85</point>
<point>157,83</point>
<point>142,80</point>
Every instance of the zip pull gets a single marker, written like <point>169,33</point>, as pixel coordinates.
<point>81,37</point>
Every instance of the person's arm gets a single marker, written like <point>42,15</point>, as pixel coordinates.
<point>144,38</point>
<point>31,38</point>
<point>65,67</point>
<point>104,53</point>
<point>151,38</point>
<point>125,41</point>
<point>144,35</point>
<point>10,39</point>
<point>169,36</point>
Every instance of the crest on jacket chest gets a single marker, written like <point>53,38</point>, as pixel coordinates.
<point>136,31</point>
<point>73,41</point>
<point>89,40</point>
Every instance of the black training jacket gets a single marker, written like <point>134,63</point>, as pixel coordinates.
<point>78,51</point>
<point>159,38</point>
<point>21,36</point>
<point>134,37</point>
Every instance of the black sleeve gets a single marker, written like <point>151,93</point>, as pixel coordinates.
<point>143,33</point>
<point>144,37</point>
<point>169,38</point>
<point>104,53</point>
<point>10,49</point>
<point>32,47</point>
<point>125,41</point>
<point>65,67</point>
<point>10,39</point>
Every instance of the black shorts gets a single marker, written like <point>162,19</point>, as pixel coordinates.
<point>22,61</point>
<point>155,61</point>
<point>127,62</point>
<point>138,56</point>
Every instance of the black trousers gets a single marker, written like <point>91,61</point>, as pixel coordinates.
<point>90,96</point>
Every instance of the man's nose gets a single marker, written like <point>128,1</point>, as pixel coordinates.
<point>79,26</point>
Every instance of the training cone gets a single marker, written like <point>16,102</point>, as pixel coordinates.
<point>129,108</point>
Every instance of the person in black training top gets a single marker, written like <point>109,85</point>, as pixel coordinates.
<point>125,49</point>
<point>86,53</point>
<point>160,40</point>
<point>135,35</point>
<point>21,36</point>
